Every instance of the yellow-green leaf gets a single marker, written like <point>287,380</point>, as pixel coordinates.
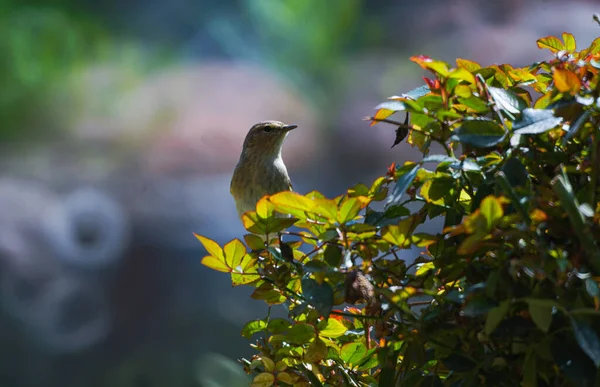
<point>215,263</point>
<point>293,203</point>
<point>569,39</point>
<point>325,207</point>
<point>351,207</point>
<point>264,208</point>
<point>334,328</point>
<point>462,74</point>
<point>211,246</point>
<point>468,64</point>
<point>254,223</point>
<point>491,209</point>
<point>424,268</point>
<point>381,114</point>
<point>234,252</point>
<point>552,43</point>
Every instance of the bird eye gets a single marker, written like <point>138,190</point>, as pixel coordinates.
<point>268,129</point>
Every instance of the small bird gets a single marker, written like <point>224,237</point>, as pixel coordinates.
<point>260,170</point>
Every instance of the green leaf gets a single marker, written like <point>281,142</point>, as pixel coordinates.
<point>535,121</point>
<point>495,316</point>
<point>491,209</point>
<point>369,361</point>
<point>516,173</point>
<point>320,296</point>
<point>352,353</point>
<point>530,369</point>
<point>541,315</point>
<point>587,339</point>
<point>408,172</point>
<point>564,190</point>
<point>278,325</point>
<point>253,327</point>
<point>300,333</point>
<point>474,103</point>
<point>439,190</point>
<point>333,255</point>
<point>575,126</point>
<point>333,328</point>
<point>480,133</point>
<point>507,100</point>
<point>264,379</point>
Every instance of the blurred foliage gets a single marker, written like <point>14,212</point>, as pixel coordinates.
<point>42,47</point>
<point>511,283</point>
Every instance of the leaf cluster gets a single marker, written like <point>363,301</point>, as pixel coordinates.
<point>505,294</point>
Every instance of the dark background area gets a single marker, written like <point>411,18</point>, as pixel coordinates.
<point>121,123</point>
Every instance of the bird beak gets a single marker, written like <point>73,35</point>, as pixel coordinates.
<point>287,128</point>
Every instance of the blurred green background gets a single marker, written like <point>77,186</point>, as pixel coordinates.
<point>120,124</point>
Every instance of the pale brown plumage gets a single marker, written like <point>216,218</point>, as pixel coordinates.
<point>260,170</point>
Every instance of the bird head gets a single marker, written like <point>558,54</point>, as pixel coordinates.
<point>266,138</point>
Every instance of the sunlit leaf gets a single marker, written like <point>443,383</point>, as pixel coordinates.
<point>300,334</point>
<point>427,63</point>
<point>333,328</point>
<point>552,43</point>
<point>462,74</point>
<point>351,207</point>
<point>253,327</point>
<point>468,64</point>
<point>353,353</point>
<point>234,252</point>
<point>211,247</point>
<point>292,203</point>
<point>566,81</point>
<point>215,263</point>
<point>491,209</point>
<point>569,40</point>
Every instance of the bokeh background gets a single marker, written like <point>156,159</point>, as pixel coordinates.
<point>120,125</point>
